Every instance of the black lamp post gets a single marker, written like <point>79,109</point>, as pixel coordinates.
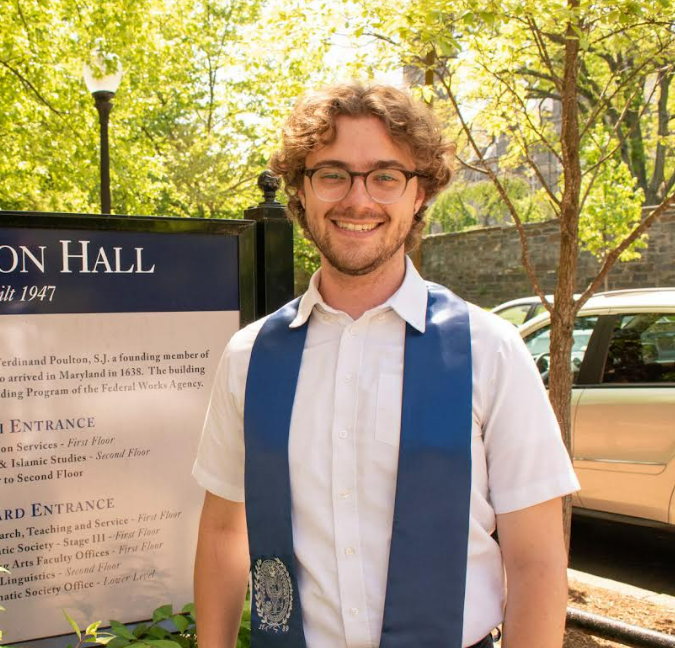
<point>103,87</point>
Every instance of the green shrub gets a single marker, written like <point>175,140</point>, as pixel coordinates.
<point>168,629</point>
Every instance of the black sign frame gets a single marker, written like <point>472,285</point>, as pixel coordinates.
<point>243,229</point>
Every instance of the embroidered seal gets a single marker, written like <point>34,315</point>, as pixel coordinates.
<point>273,594</point>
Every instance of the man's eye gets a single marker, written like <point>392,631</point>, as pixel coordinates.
<point>387,177</point>
<point>332,176</point>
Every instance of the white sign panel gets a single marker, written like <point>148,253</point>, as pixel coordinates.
<point>109,342</point>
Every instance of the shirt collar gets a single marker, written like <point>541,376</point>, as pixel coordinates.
<point>409,301</point>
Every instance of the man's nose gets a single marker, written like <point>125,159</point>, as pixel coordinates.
<point>357,194</point>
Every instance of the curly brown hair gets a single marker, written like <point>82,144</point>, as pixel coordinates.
<point>411,124</point>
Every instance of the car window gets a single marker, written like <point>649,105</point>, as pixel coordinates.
<point>538,344</point>
<point>538,310</point>
<point>515,314</point>
<point>642,349</point>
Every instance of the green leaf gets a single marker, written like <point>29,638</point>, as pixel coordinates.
<point>189,608</point>
<point>118,642</point>
<point>448,45</point>
<point>157,632</point>
<point>469,18</point>
<point>162,613</point>
<point>140,629</point>
<point>488,16</point>
<point>73,625</point>
<point>4,570</point>
<point>182,640</point>
<point>180,622</point>
<point>104,637</point>
<point>121,630</point>
<point>162,643</point>
<point>92,628</point>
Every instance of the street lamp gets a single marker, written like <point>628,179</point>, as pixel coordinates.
<point>103,84</point>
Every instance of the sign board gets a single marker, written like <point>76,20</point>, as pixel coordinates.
<point>111,330</point>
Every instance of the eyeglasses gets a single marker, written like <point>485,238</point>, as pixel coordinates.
<point>384,186</point>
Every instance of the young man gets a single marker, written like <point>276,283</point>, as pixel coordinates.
<point>379,429</point>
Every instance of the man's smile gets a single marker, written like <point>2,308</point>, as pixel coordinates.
<point>355,227</point>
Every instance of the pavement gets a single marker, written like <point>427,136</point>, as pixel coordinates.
<point>656,598</point>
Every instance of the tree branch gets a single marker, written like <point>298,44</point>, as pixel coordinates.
<point>27,84</point>
<point>525,254</point>
<point>238,184</point>
<point>25,25</point>
<point>543,52</point>
<point>601,102</point>
<point>153,141</point>
<point>611,258</point>
<point>621,30</point>
<point>471,167</point>
<point>540,176</point>
<point>525,110</point>
<point>617,124</point>
<point>381,37</point>
<point>670,183</point>
<point>605,155</point>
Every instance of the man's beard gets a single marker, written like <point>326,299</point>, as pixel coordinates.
<point>352,264</point>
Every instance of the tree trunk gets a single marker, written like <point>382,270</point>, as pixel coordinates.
<point>636,148</point>
<point>560,385</point>
<point>656,191</point>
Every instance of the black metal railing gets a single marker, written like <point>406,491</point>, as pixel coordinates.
<point>622,633</point>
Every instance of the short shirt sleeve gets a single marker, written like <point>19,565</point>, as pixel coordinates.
<point>219,467</point>
<point>526,458</point>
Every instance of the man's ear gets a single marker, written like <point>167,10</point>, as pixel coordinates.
<point>419,198</point>
<point>301,195</point>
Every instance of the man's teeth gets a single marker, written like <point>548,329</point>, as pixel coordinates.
<point>356,227</point>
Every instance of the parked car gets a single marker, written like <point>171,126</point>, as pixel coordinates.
<point>623,402</point>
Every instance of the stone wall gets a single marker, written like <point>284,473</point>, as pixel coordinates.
<point>484,265</point>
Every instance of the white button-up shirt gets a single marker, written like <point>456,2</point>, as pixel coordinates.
<point>343,454</point>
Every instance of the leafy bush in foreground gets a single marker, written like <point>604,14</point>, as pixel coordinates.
<point>168,629</point>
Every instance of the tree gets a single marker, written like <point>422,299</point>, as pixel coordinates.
<point>612,211</point>
<point>466,205</point>
<point>511,57</point>
<point>642,127</point>
<point>193,123</point>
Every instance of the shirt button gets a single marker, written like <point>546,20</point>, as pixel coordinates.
<point>344,494</point>
<point>354,611</point>
<point>343,434</point>
<point>347,378</point>
<point>353,331</point>
<point>381,318</point>
<point>350,551</point>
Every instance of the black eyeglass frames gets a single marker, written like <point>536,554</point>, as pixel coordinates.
<point>385,186</point>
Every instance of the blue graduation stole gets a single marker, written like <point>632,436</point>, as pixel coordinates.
<point>424,604</point>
